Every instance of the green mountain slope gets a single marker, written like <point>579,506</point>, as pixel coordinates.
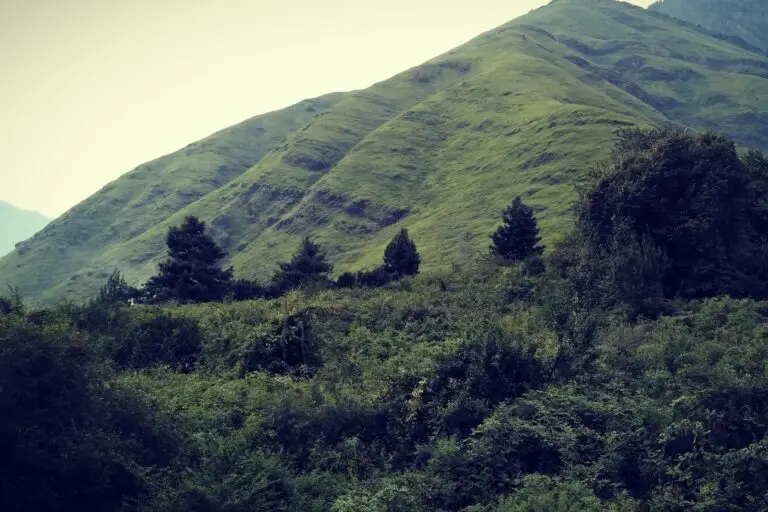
<point>744,19</point>
<point>140,199</point>
<point>441,148</point>
<point>17,225</point>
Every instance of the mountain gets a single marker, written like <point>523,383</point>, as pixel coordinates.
<point>17,225</point>
<point>742,19</point>
<point>440,149</point>
<point>149,194</point>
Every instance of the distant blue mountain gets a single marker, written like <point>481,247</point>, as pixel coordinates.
<point>16,225</point>
<point>743,19</point>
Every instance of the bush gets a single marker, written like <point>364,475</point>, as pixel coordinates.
<point>487,369</point>
<point>243,289</point>
<point>69,442</point>
<point>12,303</point>
<point>379,276</point>
<point>346,280</point>
<point>292,350</point>
<point>541,493</point>
<point>161,339</point>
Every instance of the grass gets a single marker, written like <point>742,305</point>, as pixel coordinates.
<point>440,149</point>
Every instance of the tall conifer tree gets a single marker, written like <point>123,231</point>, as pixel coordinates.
<point>518,238</point>
<point>192,272</point>
<point>401,257</point>
<point>307,266</point>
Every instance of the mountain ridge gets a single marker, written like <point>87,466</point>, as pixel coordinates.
<point>743,20</point>
<point>523,109</point>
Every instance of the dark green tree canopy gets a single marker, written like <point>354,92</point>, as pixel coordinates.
<point>517,238</point>
<point>192,272</point>
<point>307,266</point>
<point>689,198</point>
<point>401,257</point>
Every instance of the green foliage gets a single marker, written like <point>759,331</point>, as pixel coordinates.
<point>116,289</point>
<point>346,280</point>
<point>307,267</point>
<point>11,303</point>
<point>675,216</point>
<point>418,397</point>
<point>401,257</point>
<point>540,493</point>
<point>245,289</point>
<point>192,272</point>
<point>159,339</point>
<point>293,349</point>
<point>70,442</point>
<point>518,238</point>
<point>484,371</point>
<point>379,276</point>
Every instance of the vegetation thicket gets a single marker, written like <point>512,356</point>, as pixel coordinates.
<point>624,370</point>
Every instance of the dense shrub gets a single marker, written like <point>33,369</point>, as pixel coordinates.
<point>291,350</point>
<point>379,276</point>
<point>346,280</point>
<point>244,289</point>
<point>67,441</point>
<point>158,338</point>
<point>485,370</point>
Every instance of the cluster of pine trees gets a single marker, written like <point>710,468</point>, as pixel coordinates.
<point>194,272</point>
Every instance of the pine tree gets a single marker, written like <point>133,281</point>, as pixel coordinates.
<point>192,272</point>
<point>401,257</point>
<point>307,266</point>
<point>518,238</point>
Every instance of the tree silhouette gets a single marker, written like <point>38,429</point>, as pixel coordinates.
<point>307,266</point>
<point>401,257</point>
<point>518,238</point>
<point>192,272</point>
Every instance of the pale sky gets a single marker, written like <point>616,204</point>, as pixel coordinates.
<point>89,89</point>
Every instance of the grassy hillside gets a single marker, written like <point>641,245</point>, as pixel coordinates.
<point>16,225</point>
<point>441,148</point>
<point>743,19</point>
<point>140,199</point>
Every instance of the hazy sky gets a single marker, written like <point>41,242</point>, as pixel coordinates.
<point>89,89</point>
